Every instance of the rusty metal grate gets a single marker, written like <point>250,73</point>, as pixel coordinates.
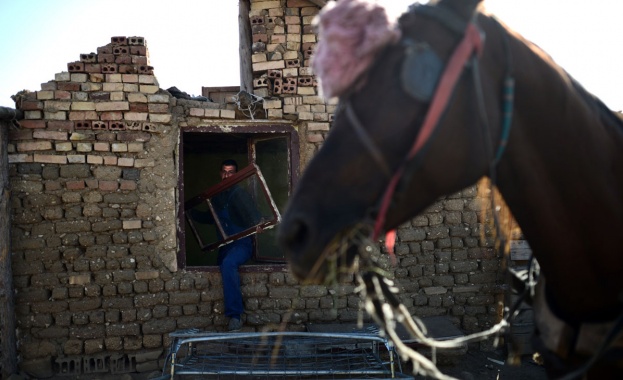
<point>290,355</point>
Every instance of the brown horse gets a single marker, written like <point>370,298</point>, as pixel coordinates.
<point>561,172</point>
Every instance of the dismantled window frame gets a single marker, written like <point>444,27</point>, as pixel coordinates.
<point>206,197</point>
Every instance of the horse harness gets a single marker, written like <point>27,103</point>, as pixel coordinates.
<point>424,78</point>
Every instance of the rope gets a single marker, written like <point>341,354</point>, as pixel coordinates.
<point>382,304</point>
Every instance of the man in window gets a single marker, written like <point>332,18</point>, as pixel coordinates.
<point>236,211</point>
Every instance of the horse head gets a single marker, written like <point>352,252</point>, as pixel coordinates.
<point>383,105</point>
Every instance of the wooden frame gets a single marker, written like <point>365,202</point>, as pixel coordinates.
<point>226,184</point>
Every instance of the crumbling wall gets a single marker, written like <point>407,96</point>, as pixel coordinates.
<point>94,224</point>
<point>94,184</point>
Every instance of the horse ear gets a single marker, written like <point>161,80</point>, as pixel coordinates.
<point>464,8</point>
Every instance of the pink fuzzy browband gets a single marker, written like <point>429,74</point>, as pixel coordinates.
<point>351,32</point>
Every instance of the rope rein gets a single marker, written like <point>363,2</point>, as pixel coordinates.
<point>382,304</point>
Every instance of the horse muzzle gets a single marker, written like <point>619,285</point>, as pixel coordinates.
<point>312,259</point>
<point>294,237</point>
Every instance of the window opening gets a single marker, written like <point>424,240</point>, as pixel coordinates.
<point>267,158</point>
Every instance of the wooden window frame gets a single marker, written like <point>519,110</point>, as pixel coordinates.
<point>226,184</point>
<point>248,129</point>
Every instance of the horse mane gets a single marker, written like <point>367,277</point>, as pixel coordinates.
<point>608,116</point>
<point>605,114</point>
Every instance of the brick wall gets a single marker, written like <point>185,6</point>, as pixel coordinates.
<point>94,224</point>
<point>283,43</point>
<point>94,201</point>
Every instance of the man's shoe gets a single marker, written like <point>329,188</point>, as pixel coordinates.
<point>234,324</point>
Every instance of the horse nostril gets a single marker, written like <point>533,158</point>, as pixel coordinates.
<point>294,235</point>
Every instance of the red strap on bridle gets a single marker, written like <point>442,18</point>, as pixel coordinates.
<point>471,43</point>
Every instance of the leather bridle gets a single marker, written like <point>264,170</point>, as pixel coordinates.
<point>469,48</point>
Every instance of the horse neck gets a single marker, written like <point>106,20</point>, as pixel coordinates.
<point>562,177</point>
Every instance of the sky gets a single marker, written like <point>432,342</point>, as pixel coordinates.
<point>194,43</point>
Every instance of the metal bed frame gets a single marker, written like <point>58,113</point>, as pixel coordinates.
<point>269,355</point>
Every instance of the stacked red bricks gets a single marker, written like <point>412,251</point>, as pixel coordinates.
<point>124,55</point>
<point>283,44</point>
<point>100,111</point>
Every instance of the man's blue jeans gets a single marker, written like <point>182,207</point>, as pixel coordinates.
<point>230,258</point>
